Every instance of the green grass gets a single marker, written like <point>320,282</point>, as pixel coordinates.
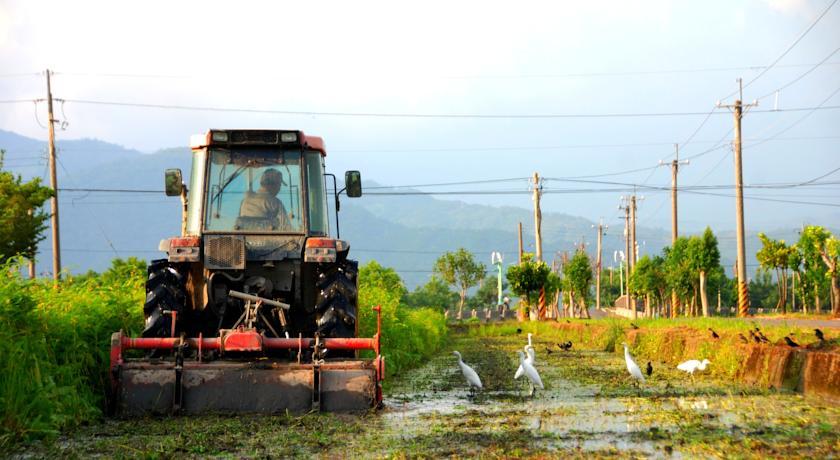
<point>54,347</point>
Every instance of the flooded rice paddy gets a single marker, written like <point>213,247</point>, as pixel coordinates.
<point>589,408</point>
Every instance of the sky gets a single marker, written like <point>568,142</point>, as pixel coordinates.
<point>437,92</point>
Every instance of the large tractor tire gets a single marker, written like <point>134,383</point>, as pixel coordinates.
<point>165,292</point>
<point>335,308</point>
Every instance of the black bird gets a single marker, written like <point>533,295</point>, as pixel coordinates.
<point>761,335</point>
<point>714,334</point>
<point>634,326</point>
<point>790,342</point>
<point>565,346</point>
<point>649,369</point>
<point>548,350</point>
<point>518,330</point>
<point>568,321</point>
<point>755,337</point>
<point>819,335</point>
<point>743,339</point>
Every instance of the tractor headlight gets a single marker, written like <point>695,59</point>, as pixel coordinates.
<point>288,137</point>
<point>220,136</point>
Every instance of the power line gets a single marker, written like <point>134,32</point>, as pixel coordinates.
<point>800,77</point>
<point>419,115</point>
<point>453,77</point>
<point>787,50</point>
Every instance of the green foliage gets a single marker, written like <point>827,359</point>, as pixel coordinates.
<point>409,335</point>
<point>486,294</point>
<point>578,276</point>
<point>54,346</point>
<point>678,271</point>
<point>20,231</point>
<point>461,270</point>
<point>763,291</point>
<point>648,278</point>
<point>527,278</point>
<point>702,252</point>
<point>434,294</point>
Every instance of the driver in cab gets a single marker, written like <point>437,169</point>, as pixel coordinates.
<point>264,204</point>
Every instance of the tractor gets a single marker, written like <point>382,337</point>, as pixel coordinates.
<point>254,307</point>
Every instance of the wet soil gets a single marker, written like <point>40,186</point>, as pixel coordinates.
<point>589,408</point>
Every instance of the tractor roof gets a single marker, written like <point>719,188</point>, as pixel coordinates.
<point>257,137</point>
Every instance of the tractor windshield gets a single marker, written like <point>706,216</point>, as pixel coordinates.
<point>253,190</point>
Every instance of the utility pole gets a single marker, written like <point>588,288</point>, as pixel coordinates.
<point>537,217</point>
<point>743,290</point>
<point>32,259</point>
<point>520,243</point>
<point>628,299</point>
<point>601,228</point>
<point>56,241</point>
<point>675,167</point>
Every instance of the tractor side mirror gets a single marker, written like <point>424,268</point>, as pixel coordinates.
<point>353,183</point>
<point>174,182</point>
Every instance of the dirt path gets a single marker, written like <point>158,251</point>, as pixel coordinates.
<point>588,409</point>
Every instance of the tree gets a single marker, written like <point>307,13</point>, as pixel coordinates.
<point>486,294</point>
<point>435,294</point>
<point>22,222</point>
<point>778,256</point>
<point>648,280</point>
<point>704,256</point>
<point>578,277</point>
<point>678,273</point>
<point>460,269</point>
<point>819,245</point>
<point>526,279</point>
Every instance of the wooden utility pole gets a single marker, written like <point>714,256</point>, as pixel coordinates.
<point>743,289</point>
<point>520,242</point>
<point>675,168</point>
<point>56,240</point>
<point>601,228</point>
<point>32,259</point>
<point>627,299</point>
<point>537,217</point>
<point>633,247</point>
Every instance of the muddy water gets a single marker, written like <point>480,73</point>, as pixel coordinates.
<point>591,408</point>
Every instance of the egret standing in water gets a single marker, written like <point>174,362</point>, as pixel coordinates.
<point>530,360</point>
<point>632,367</point>
<point>469,373</point>
<point>534,379</point>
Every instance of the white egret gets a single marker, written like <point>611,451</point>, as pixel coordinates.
<point>693,365</point>
<point>533,376</point>
<point>469,373</point>
<point>530,360</point>
<point>632,367</point>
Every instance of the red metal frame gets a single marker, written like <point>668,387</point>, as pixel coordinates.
<point>247,340</point>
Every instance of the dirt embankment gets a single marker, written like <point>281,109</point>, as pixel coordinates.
<point>813,369</point>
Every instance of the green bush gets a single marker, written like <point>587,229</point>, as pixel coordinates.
<point>54,346</point>
<point>409,335</point>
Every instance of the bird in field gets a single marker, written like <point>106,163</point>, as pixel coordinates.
<point>531,373</point>
<point>518,330</point>
<point>755,338</point>
<point>714,334</point>
<point>632,367</point>
<point>568,321</point>
<point>530,357</point>
<point>469,373</point>
<point>649,369</point>
<point>693,365</point>
<point>761,335</point>
<point>548,351</point>
<point>565,346</point>
<point>634,326</point>
<point>790,342</point>
<point>820,335</point>
<point>743,339</point>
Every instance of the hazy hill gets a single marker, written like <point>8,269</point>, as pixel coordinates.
<point>404,232</point>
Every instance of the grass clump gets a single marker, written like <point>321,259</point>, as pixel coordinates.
<point>54,346</point>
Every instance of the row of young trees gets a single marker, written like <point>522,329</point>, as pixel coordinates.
<point>687,271</point>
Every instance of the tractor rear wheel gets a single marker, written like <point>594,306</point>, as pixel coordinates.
<point>335,309</point>
<point>165,292</point>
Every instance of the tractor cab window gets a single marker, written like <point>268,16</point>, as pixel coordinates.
<point>253,190</point>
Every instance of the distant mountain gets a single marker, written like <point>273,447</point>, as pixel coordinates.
<point>407,232</point>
